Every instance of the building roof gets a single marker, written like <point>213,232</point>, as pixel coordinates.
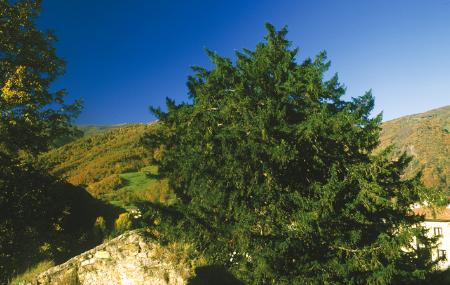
<point>441,214</point>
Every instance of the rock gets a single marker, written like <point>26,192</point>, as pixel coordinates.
<point>102,255</point>
<point>87,262</point>
<point>132,259</point>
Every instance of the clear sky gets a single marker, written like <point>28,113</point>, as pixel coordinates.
<point>124,56</point>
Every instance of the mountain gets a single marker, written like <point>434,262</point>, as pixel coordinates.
<point>111,164</point>
<point>89,130</point>
<point>96,156</point>
<point>425,136</point>
<point>79,131</point>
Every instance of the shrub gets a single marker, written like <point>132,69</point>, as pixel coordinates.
<point>158,192</point>
<point>100,227</point>
<point>123,223</point>
<point>106,185</point>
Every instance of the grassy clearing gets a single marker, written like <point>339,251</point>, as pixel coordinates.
<point>136,185</point>
<point>136,181</point>
<point>32,273</point>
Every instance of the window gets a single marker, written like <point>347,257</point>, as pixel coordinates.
<point>441,253</point>
<point>420,245</point>
<point>437,231</point>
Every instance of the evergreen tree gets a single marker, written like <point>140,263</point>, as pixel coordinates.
<point>277,179</point>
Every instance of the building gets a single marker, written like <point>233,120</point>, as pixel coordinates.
<point>438,225</point>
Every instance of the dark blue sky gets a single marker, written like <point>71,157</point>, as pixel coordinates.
<point>126,55</point>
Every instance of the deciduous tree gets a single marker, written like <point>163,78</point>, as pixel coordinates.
<point>32,115</point>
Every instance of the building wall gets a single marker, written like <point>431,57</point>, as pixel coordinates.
<point>444,240</point>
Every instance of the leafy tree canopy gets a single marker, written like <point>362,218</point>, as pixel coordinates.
<point>31,118</point>
<point>31,114</point>
<point>276,179</point>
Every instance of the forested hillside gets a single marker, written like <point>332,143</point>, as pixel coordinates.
<point>89,130</point>
<point>267,172</point>
<point>79,131</point>
<point>426,137</point>
<point>93,158</point>
<point>109,158</point>
<point>111,164</point>
<point>42,217</point>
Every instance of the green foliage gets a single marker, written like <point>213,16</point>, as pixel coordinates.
<point>37,210</point>
<point>212,274</point>
<point>106,185</point>
<point>97,159</point>
<point>32,116</point>
<point>135,183</point>
<point>43,217</point>
<point>275,176</point>
<point>439,277</point>
<point>32,273</point>
<point>123,223</point>
<point>65,138</point>
<point>90,130</point>
<point>142,186</point>
<point>100,227</point>
<point>113,165</point>
<point>136,180</point>
<point>158,192</point>
<point>92,159</point>
<point>79,131</point>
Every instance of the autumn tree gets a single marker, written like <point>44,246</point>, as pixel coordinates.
<point>31,117</point>
<point>276,178</point>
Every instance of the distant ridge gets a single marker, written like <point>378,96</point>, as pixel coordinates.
<point>425,136</point>
<point>109,152</point>
<point>89,130</point>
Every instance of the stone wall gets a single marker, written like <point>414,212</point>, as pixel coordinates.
<point>132,259</point>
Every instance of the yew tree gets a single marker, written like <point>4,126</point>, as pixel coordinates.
<point>276,176</point>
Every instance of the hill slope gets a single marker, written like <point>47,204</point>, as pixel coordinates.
<point>89,130</point>
<point>92,158</point>
<point>112,165</point>
<point>80,131</point>
<point>426,137</point>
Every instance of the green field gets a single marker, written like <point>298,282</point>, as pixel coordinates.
<point>138,186</point>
